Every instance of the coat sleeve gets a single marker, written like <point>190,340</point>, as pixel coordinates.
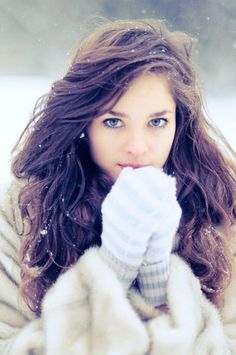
<point>89,304</point>
<point>229,311</point>
<point>192,324</point>
<point>20,331</point>
<point>85,312</point>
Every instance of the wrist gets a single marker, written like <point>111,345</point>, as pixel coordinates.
<point>152,282</point>
<point>124,272</point>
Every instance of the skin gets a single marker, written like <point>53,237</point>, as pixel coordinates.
<point>139,130</point>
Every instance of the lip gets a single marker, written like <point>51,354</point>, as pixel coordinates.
<point>133,166</point>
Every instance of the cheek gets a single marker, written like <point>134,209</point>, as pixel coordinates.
<point>171,139</point>
<point>169,144</point>
<point>92,143</point>
<point>95,150</point>
<point>163,147</point>
<point>98,147</point>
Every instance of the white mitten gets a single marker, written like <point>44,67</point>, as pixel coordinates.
<point>168,213</point>
<point>154,271</point>
<point>132,212</point>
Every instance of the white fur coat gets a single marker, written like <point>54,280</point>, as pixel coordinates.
<point>87,312</point>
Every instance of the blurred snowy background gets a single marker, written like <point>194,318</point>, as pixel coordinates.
<point>37,40</point>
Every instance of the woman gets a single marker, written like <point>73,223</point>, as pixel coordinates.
<point>126,207</point>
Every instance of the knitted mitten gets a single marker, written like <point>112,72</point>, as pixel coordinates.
<point>132,213</point>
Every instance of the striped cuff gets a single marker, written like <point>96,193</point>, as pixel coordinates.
<point>152,281</point>
<point>125,273</point>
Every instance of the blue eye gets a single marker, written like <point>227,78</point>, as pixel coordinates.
<point>112,122</point>
<point>158,122</point>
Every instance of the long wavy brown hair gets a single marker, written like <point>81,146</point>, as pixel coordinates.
<point>60,201</point>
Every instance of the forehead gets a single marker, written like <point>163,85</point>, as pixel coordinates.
<point>148,89</point>
<point>145,85</point>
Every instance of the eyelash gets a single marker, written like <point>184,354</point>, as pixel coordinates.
<point>165,121</point>
<point>108,120</point>
<point>105,122</point>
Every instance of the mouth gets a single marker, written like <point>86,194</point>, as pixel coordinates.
<point>133,166</point>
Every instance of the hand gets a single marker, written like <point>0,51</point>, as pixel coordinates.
<point>126,218</point>
<point>168,214</point>
<point>154,271</point>
<point>134,210</point>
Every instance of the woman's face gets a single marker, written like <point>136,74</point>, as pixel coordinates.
<point>139,130</point>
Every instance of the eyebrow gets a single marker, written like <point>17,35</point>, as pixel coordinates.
<point>152,115</point>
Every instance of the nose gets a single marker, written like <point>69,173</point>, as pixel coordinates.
<point>136,143</point>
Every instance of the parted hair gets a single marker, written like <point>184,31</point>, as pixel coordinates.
<point>60,200</point>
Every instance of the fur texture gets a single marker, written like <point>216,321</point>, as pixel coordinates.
<point>88,312</point>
